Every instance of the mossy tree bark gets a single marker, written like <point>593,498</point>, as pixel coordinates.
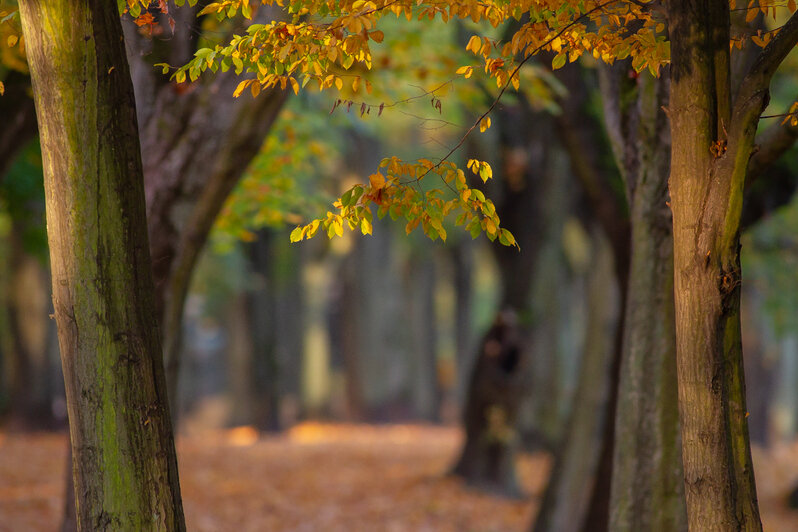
<point>124,462</point>
<point>712,134</point>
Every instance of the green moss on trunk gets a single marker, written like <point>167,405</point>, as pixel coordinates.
<point>123,451</point>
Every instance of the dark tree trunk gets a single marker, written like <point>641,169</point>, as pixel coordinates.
<point>19,119</point>
<point>420,283</point>
<point>196,144</point>
<point>276,320</point>
<point>491,411</point>
<point>124,460</point>
<point>495,389</point>
<point>32,391</point>
<point>589,509</point>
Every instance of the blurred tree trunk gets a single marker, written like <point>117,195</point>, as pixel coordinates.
<point>495,390</point>
<point>124,464</point>
<point>32,390</point>
<point>240,361</point>
<point>487,459</point>
<point>463,265</point>
<point>760,365</point>
<point>275,316</point>
<point>568,505</point>
<point>575,472</point>
<point>420,286</point>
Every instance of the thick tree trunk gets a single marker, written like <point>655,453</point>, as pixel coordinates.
<point>589,509</point>
<point>124,457</point>
<point>712,143</point>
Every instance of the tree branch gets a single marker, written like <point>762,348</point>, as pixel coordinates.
<point>772,142</point>
<point>773,54</point>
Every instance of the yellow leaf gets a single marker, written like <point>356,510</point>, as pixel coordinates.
<point>559,59</point>
<point>2,88</point>
<point>377,181</point>
<point>12,40</point>
<point>484,124</point>
<point>474,44</point>
<point>339,83</point>
<point>294,85</point>
<point>376,36</point>
<point>239,89</point>
<point>365,227</point>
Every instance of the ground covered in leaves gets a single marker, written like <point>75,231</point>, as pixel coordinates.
<point>325,477</point>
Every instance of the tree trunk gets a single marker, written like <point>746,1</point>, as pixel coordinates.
<point>276,318</point>
<point>124,460</point>
<point>589,509</point>
<point>494,396</point>
<point>575,472</point>
<point>196,145</point>
<point>711,147</point>
<point>32,391</point>
<point>240,362</point>
<point>495,392</point>
<point>426,394</point>
<point>647,482</point>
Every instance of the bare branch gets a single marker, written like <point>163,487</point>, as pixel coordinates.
<point>772,143</point>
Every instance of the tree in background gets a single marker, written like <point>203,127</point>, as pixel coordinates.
<point>708,167</point>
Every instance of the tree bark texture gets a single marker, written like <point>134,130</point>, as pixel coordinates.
<point>647,483</point>
<point>197,141</point>
<point>713,138</point>
<point>124,462</point>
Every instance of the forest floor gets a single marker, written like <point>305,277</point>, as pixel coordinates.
<point>326,477</point>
